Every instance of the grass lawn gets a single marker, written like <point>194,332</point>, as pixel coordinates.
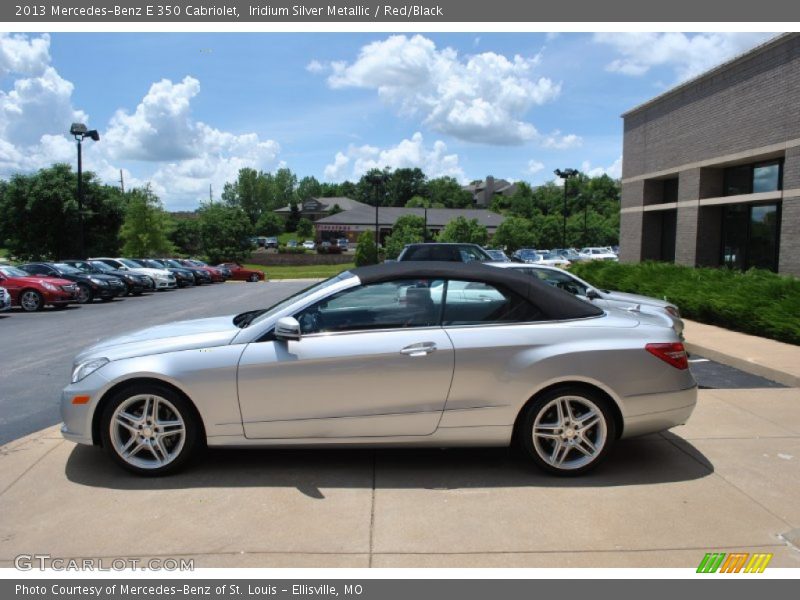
<point>301,272</point>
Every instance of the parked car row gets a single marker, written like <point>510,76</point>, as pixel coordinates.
<point>32,286</point>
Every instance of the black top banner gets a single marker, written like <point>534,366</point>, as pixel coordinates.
<point>465,11</point>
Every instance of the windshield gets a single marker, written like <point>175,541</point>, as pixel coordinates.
<point>13,272</point>
<point>101,266</point>
<point>255,316</point>
<point>131,264</point>
<point>551,256</point>
<point>69,269</point>
<point>172,263</point>
<point>154,263</point>
<point>528,254</point>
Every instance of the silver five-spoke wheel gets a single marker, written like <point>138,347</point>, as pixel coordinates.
<point>568,430</point>
<point>150,428</point>
<point>148,431</point>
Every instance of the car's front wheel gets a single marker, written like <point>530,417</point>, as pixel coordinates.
<point>567,431</point>
<point>85,294</point>
<point>31,301</point>
<point>150,429</point>
<point>254,278</point>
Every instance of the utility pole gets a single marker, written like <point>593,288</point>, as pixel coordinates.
<point>210,195</point>
<point>121,182</point>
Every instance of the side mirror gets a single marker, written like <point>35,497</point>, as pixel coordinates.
<point>287,328</point>
<point>592,294</point>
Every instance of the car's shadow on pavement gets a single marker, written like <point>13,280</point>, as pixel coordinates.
<point>653,460</point>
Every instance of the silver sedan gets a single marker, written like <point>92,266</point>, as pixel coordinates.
<point>415,354</point>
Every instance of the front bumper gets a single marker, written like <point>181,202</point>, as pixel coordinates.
<point>651,413</point>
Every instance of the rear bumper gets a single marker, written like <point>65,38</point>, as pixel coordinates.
<point>651,413</point>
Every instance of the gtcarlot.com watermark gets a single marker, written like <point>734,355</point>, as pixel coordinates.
<point>42,562</point>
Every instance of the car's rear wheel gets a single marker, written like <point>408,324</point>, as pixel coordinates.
<point>31,301</point>
<point>254,277</point>
<point>568,430</point>
<point>150,429</point>
<point>85,294</point>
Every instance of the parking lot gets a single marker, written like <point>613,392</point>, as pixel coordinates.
<point>727,481</point>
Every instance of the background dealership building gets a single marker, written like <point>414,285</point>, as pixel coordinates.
<point>711,168</point>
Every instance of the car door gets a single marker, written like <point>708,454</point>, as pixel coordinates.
<point>373,361</point>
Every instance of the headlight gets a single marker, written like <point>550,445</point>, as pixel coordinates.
<point>96,281</point>
<point>85,369</point>
<point>50,286</point>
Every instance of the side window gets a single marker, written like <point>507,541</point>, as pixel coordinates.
<point>36,269</point>
<point>474,303</point>
<point>389,305</point>
<point>469,254</point>
<point>561,281</point>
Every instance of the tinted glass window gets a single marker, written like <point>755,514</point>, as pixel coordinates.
<point>476,303</point>
<point>444,253</point>
<point>560,280</point>
<point>36,269</point>
<point>766,178</point>
<point>389,305</point>
<point>469,254</point>
<point>738,180</point>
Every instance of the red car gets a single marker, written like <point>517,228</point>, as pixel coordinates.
<point>216,274</point>
<point>242,274</point>
<point>32,292</point>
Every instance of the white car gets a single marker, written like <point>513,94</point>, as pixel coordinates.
<point>552,259</point>
<point>597,253</point>
<point>309,245</point>
<point>162,278</point>
<point>5,300</point>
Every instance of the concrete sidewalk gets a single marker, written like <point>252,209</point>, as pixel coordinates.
<point>774,360</point>
<point>727,481</point>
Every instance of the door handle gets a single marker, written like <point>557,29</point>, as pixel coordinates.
<point>420,349</point>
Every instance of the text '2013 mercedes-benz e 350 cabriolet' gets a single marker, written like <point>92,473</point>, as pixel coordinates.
<point>416,354</point>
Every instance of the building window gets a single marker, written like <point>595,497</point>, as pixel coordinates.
<point>670,192</point>
<point>750,236</point>
<point>753,178</point>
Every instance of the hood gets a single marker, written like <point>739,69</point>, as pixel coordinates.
<point>57,281</point>
<point>635,299</point>
<point>170,337</point>
<point>151,272</point>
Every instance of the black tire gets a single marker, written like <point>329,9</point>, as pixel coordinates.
<point>194,434</point>
<point>581,449</point>
<point>254,278</point>
<point>31,300</point>
<point>85,294</point>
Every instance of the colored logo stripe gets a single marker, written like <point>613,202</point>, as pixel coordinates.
<point>717,561</point>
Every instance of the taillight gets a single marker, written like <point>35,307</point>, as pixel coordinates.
<point>673,353</point>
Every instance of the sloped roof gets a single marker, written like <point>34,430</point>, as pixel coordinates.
<point>328,203</point>
<point>388,215</point>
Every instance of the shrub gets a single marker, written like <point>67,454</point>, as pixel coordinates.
<point>366,252</point>
<point>756,302</point>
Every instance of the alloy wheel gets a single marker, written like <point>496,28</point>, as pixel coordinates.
<point>569,432</point>
<point>147,431</point>
<point>30,301</point>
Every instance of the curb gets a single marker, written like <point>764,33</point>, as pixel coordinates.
<point>744,364</point>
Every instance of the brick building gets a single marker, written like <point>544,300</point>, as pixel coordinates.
<point>711,168</point>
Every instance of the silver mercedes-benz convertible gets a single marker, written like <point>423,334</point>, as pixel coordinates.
<point>416,353</point>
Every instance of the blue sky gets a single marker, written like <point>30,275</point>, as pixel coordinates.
<point>182,111</point>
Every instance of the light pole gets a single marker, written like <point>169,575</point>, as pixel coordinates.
<point>377,179</point>
<point>79,132</point>
<point>565,174</point>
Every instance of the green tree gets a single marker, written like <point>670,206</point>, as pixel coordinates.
<point>39,215</point>
<point>335,210</point>
<point>294,217</point>
<point>366,251</point>
<point>225,232</point>
<point>185,236</point>
<point>447,192</point>
<point>464,230</point>
<point>514,233</point>
<point>309,187</point>
<point>404,184</point>
<point>305,228</point>
<point>408,229</point>
<point>270,224</point>
<point>146,229</point>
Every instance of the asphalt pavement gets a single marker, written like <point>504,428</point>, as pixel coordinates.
<point>38,348</point>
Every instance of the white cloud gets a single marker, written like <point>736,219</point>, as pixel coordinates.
<point>409,153</point>
<point>686,54</point>
<point>561,142</point>
<point>184,155</point>
<point>481,98</point>
<point>534,166</point>
<point>315,66</point>
<point>19,54</point>
<point>614,170</point>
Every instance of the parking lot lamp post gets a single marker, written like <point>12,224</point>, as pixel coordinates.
<point>377,179</point>
<point>79,132</point>
<point>565,174</point>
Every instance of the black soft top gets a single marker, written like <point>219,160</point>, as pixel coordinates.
<point>553,302</point>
